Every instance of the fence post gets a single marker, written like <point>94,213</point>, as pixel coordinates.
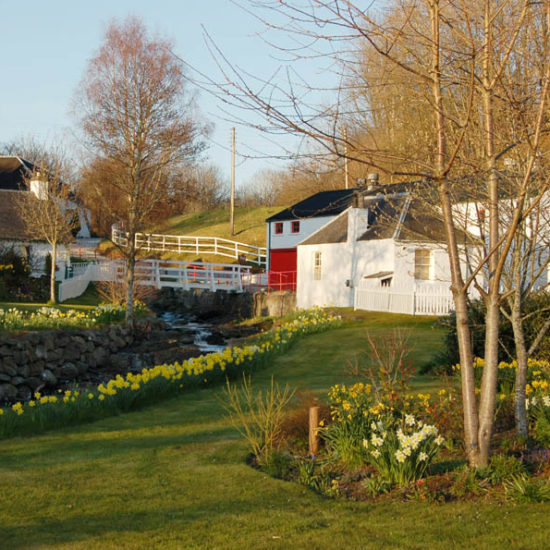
<point>313,431</point>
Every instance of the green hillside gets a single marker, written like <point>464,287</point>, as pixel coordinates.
<point>250,228</point>
<point>249,224</point>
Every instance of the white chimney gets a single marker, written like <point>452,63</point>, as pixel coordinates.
<point>39,187</point>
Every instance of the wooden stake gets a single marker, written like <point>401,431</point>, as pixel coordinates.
<point>313,430</point>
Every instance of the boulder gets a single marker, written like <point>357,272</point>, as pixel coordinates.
<point>68,370</point>
<point>7,391</point>
<point>49,377</point>
<point>72,351</point>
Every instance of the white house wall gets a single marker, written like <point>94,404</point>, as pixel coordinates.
<point>331,289</point>
<point>338,265</point>
<point>38,252</point>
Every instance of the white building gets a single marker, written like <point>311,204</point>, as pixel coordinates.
<point>15,178</point>
<point>383,253</point>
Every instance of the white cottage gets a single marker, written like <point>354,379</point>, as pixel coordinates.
<point>15,178</point>
<point>383,253</point>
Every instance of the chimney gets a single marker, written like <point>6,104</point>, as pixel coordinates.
<point>372,181</point>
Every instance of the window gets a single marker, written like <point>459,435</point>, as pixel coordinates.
<point>422,261</point>
<point>295,227</point>
<point>317,266</point>
<point>386,281</point>
<point>279,228</point>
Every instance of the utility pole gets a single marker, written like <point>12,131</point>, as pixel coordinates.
<point>346,175</point>
<point>232,200</point>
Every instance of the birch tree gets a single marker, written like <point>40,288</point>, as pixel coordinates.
<point>47,211</point>
<point>138,122</point>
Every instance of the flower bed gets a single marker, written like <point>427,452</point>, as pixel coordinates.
<point>46,318</point>
<point>150,385</point>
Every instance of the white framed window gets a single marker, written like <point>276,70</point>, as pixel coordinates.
<point>317,266</point>
<point>422,263</point>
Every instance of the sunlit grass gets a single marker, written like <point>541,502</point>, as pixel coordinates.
<point>174,476</point>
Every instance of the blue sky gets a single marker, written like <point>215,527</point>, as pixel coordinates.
<point>45,46</point>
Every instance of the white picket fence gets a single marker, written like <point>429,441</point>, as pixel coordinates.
<point>159,273</point>
<point>423,300</point>
<point>187,244</point>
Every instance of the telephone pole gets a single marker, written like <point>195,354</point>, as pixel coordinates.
<point>346,175</point>
<point>232,200</point>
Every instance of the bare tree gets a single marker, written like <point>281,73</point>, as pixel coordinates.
<point>139,124</point>
<point>47,210</point>
<point>462,86</point>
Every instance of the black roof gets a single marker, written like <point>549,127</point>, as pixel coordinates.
<point>332,203</point>
<point>13,173</point>
<point>324,203</point>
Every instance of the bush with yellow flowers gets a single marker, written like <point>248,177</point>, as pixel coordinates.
<point>133,390</point>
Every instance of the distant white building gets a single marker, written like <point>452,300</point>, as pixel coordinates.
<point>15,172</point>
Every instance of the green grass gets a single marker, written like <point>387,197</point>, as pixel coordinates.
<point>174,476</point>
<point>249,225</point>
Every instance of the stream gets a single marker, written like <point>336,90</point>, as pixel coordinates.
<point>200,331</point>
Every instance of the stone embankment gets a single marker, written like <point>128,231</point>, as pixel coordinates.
<point>46,361</point>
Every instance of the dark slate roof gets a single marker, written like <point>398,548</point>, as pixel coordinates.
<point>13,172</point>
<point>325,203</point>
<point>332,203</point>
<point>335,231</point>
<point>11,224</point>
<point>389,217</point>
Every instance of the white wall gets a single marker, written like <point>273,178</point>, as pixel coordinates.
<point>331,289</point>
<point>39,251</point>
<point>339,265</point>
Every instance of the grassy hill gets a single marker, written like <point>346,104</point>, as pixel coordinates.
<point>249,224</point>
<point>249,228</point>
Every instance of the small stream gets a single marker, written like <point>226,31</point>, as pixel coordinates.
<point>200,331</point>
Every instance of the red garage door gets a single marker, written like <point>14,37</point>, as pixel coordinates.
<point>283,259</point>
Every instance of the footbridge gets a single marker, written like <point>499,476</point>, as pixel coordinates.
<point>162,274</point>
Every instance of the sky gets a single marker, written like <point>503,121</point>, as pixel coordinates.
<point>46,45</point>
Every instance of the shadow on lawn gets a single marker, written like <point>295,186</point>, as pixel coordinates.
<point>62,451</point>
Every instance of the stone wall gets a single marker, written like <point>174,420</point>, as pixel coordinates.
<point>205,304</point>
<point>275,304</point>
<point>45,361</point>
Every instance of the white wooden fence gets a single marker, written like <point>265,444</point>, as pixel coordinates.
<point>159,273</point>
<point>423,300</point>
<point>187,244</point>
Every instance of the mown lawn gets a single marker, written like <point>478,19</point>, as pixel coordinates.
<point>174,476</point>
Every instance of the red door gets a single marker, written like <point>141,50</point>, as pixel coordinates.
<point>283,259</point>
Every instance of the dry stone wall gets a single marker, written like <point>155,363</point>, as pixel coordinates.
<point>43,361</point>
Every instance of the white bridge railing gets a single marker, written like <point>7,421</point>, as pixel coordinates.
<point>423,300</point>
<point>160,273</point>
<point>188,244</point>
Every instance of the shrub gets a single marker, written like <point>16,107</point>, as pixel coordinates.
<point>536,308</point>
<point>521,488</point>
<point>503,468</point>
<point>258,417</point>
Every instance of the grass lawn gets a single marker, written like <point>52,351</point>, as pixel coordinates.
<point>173,476</point>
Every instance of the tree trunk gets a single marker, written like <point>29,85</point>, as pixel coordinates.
<point>52,273</point>
<point>489,381</point>
<point>522,428</point>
